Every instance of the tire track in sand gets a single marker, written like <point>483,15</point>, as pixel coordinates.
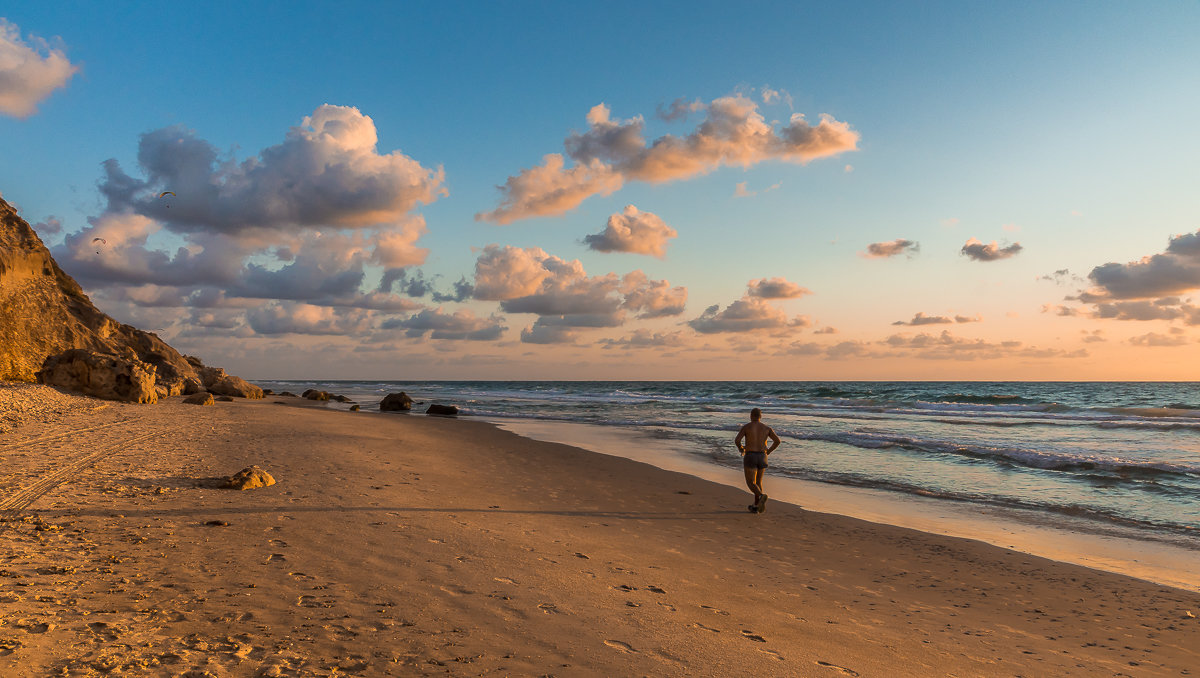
<point>12,506</point>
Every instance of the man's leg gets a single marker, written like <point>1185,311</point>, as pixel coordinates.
<point>753,476</point>
<point>760,500</point>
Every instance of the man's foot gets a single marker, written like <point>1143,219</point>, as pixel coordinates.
<point>761,504</point>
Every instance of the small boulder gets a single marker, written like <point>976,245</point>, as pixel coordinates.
<point>267,392</point>
<point>202,398</point>
<point>442,409</point>
<point>396,402</point>
<point>354,408</point>
<point>224,399</point>
<point>314,394</point>
<point>216,381</point>
<point>248,479</point>
<point>341,399</point>
<point>100,375</point>
<point>288,394</point>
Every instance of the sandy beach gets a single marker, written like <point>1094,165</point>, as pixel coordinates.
<point>413,545</point>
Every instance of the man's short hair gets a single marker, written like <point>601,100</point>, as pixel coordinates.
<point>755,414</point>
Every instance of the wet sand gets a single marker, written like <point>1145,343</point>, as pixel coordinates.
<point>413,545</point>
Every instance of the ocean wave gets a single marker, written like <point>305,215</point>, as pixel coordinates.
<point>1038,459</point>
<point>1091,512</point>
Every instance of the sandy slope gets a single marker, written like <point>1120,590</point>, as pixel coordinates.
<point>410,545</point>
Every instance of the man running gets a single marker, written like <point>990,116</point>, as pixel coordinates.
<point>751,441</point>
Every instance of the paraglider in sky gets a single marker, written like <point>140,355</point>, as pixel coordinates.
<point>166,193</point>
<point>98,243</point>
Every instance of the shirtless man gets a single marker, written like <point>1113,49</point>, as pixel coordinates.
<point>751,441</point>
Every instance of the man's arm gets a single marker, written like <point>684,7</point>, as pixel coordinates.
<point>774,440</point>
<point>740,440</point>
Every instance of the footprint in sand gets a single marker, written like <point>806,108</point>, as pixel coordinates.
<point>714,610</point>
<point>706,628</point>
<point>548,608</point>
<point>773,654</point>
<point>504,580</point>
<point>841,669</point>
<point>753,636</point>
<point>620,646</point>
<point>276,558</point>
<point>655,589</point>
<point>279,543</point>
<point>580,555</point>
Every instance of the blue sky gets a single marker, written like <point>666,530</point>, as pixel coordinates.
<point>1065,127</point>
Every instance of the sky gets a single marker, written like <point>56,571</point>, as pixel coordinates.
<point>535,190</point>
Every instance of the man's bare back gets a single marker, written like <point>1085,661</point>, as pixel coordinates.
<point>756,434</point>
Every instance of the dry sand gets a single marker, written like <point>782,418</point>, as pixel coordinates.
<point>413,545</point>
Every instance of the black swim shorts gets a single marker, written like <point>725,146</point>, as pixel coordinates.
<point>755,460</point>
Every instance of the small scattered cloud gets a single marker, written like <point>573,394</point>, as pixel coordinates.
<point>679,109</point>
<point>643,338</point>
<point>848,169</point>
<point>1157,339</point>
<point>891,248</point>
<point>612,152</point>
<point>775,288</point>
<point>1011,228</point>
<point>826,330</point>
<point>740,190</point>
<point>1093,336</point>
<point>633,231</point>
<point>922,319</point>
<point>51,225</point>
<point>976,250</point>
<point>1061,277</point>
<point>950,222</point>
<point>456,326</point>
<point>29,71</point>
<point>747,314</point>
<point>300,318</point>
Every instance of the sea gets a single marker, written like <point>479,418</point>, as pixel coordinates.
<point>1120,460</point>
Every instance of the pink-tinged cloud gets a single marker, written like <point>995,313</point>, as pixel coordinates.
<point>633,231</point>
<point>1175,271</point>
<point>922,319</point>
<point>733,133</point>
<point>748,314</point>
<point>550,190</point>
<point>740,190</point>
<point>528,280</point>
<point>946,346</point>
<point>549,334</point>
<point>1157,339</point>
<point>891,248</point>
<point>457,326</point>
<point>1169,308</point>
<point>396,247</point>
<point>29,72</point>
<point>978,251</point>
<point>775,288</point>
<point>299,318</point>
<point>643,338</point>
